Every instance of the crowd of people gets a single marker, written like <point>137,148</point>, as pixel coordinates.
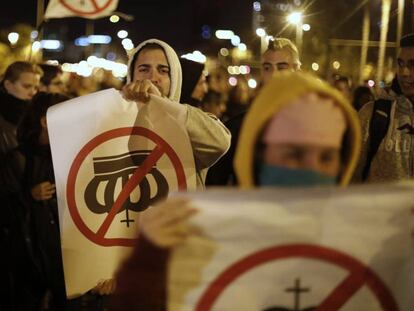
<point>296,130</point>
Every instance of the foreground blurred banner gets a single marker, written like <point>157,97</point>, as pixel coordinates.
<point>87,8</point>
<point>112,159</point>
<point>315,249</point>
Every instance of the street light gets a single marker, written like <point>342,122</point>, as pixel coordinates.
<point>295,18</point>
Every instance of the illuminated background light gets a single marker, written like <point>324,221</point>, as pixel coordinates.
<point>114,19</point>
<point>122,34</point>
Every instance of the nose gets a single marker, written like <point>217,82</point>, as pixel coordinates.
<point>405,71</point>
<point>32,92</point>
<point>154,76</point>
<point>311,162</point>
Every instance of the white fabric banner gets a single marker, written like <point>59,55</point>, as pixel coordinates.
<point>82,8</point>
<point>313,249</point>
<point>110,162</point>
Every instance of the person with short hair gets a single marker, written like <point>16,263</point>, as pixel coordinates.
<point>20,83</point>
<point>394,158</point>
<point>281,55</point>
<point>51,81</point>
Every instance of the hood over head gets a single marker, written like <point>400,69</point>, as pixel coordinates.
<point>292,90</point>
<point>191,74</point>
<point>173,62</point>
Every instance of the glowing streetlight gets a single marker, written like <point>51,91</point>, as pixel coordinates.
<point>13,37</point>
<point>295,18</point>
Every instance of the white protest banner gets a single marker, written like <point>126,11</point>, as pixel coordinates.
<point>112,160</point>
<point>316,249</point>
<point>82,8</point>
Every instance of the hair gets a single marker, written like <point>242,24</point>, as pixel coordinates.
<point>285,44</point>
<point>49,73</point>
<point>149,46</point>
<point>14,70</point>
<point>407,41</point>
<point>29,130</point>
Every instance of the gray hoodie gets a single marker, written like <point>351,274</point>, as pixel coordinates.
<point>394,159</point>
<point>209,138</point>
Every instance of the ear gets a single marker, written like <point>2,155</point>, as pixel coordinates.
<point>7,85</point>
<point>43,122</point>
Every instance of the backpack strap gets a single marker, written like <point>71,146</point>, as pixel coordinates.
<point>378,127</point>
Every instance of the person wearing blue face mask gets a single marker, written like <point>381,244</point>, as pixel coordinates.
<point>298,132</point>
<point>305,135</point>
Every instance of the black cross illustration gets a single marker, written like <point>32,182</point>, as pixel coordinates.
<point>297,290</point>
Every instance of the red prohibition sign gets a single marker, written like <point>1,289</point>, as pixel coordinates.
<point>97,8</point>
<point>161,147</point>
<point>359,275</point>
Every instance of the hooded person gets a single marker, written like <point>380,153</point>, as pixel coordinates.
<point>154,69</point>
<point>194,83</point>
<point>307,135</point>
<point>318,136</point>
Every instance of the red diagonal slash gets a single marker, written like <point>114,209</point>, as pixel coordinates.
<point>135,179</point>
<point>343,292</point>
<point>95,4</point>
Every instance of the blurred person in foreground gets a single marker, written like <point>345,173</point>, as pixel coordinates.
<point>280,56</point>
<point>298,132</point>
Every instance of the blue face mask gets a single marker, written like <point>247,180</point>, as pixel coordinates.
<point>271,175</point>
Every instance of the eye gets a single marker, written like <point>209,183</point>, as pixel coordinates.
<point>165,70</point>
<point>267,68</point>
<point>329,156</point>
<point>400,63</point>
<point>282,66</point>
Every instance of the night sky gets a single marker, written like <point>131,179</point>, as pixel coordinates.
<point>180,22</point>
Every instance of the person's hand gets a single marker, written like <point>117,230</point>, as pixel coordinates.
<point>104,287</point>
<point>43,191</point>
<point>140,91</point>
<point>166,224</point>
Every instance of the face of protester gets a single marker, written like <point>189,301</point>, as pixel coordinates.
<point>57,85</point>
<point>320,159</point>
<point>200,89</point>
<point>405,72</point>
<point>153,65</point>
<point>275,61</point>
<point>25,87</point>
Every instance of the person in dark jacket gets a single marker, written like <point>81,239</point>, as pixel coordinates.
<point>281,55</point>
<point>20,83</point>
<point>39,185</point>
<point>19,270</point>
